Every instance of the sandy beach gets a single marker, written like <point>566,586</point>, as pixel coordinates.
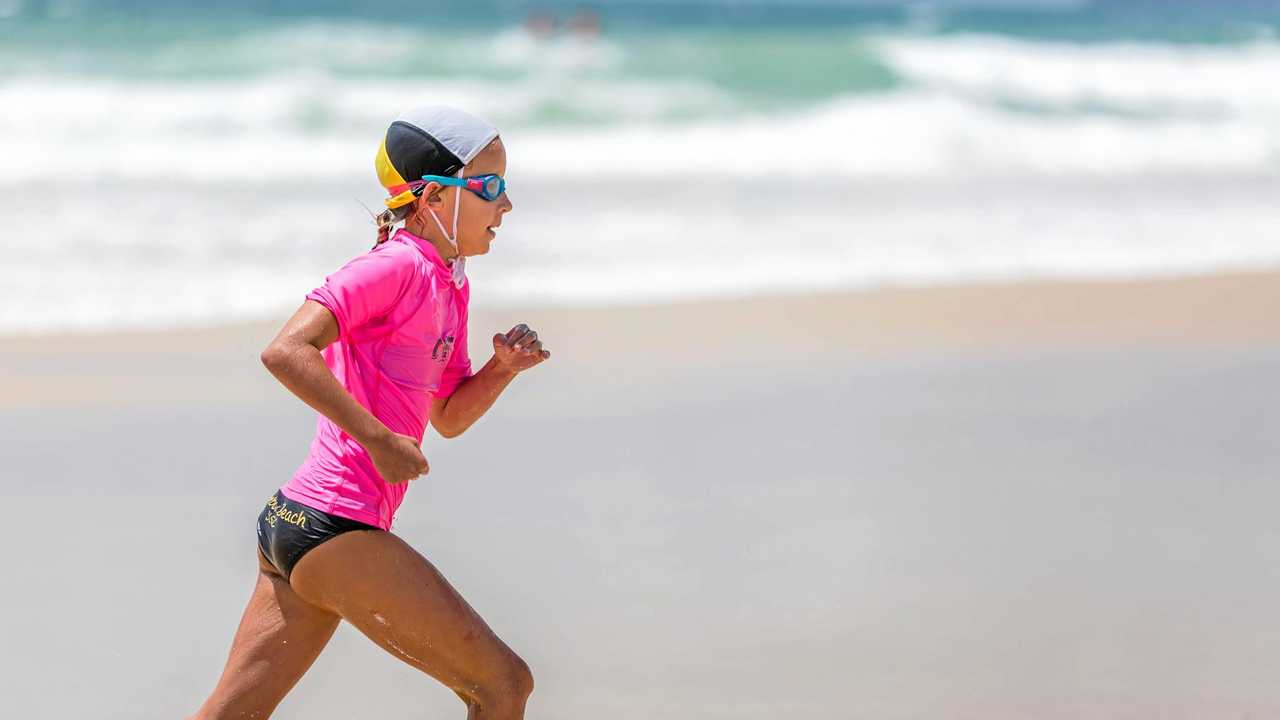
<point>1036,500</point>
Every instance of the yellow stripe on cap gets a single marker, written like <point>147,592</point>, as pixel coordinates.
<point>403,198</point>
<point>390,177</point>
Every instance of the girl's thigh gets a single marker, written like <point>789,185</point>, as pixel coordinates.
<point>279,637</point>
<point>392,594</point>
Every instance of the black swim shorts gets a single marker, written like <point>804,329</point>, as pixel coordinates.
<point>287,530</point>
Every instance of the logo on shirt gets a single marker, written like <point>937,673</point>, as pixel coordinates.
<point>442,349</point>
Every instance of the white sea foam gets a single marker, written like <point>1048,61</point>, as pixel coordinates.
<point>910,134</point>
<point>973,106</point>
<point>167,256</point>
<point>303,123</point>
<point>1234,81</point>
<point>156,202</point>
<point>184,135</point>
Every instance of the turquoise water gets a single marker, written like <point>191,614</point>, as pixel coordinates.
<point>723,58</point>
<point>761,53</point>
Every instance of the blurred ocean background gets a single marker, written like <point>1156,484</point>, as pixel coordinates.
<point>963,493</point>
<point>173,165</point>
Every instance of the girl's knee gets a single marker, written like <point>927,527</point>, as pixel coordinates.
<point>506,691</point>
<point>521,678</point>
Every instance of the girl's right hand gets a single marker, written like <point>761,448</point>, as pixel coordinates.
<point>397,458</point>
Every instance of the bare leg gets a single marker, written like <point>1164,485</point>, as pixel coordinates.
<point>279,637</point>
<point>383,587</point>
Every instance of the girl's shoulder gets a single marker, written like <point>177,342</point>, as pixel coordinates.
<point>399,259</point>
<point>385,262</point>
<point>394,250</point>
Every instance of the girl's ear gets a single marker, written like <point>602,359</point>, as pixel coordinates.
<point>432,195</point>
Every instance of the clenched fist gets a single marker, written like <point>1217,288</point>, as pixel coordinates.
<point>397,458</point>
<point>519,349</point>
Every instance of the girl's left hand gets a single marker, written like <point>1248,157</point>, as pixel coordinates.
<point>519,349</point>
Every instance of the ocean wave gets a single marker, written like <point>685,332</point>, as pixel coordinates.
<point>158,255</point>
<point>290,126</point>
<point>204,193</point>
<point>911,134</point>
<point>964,106</point>
<point>244,48</point>
<point>1154,79</point>
<point>311,102</point>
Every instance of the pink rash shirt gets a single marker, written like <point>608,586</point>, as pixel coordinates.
<point>402,340</point>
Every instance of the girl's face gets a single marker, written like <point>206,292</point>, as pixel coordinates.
<point>477,218</point>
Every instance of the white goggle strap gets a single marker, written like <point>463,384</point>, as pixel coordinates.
<point>459,262</point>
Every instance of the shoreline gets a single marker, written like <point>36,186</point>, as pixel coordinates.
<point>219,363</point>
<point>1251,281</point>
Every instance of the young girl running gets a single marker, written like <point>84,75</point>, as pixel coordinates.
<point>377,350</point>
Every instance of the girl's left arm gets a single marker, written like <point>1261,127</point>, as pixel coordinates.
<point>513,352</point>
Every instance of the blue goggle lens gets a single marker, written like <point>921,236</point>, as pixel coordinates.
<point>493,187</point>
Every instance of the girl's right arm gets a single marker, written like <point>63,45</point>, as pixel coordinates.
<point>293,357</point>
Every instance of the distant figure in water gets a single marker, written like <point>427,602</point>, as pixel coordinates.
<point>584,23</point>
<point>541,25</point>
<point>379,350</point>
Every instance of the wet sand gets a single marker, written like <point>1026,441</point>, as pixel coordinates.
<point>1050,500</point>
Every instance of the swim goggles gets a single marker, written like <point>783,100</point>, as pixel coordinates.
<point>490,187</point>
